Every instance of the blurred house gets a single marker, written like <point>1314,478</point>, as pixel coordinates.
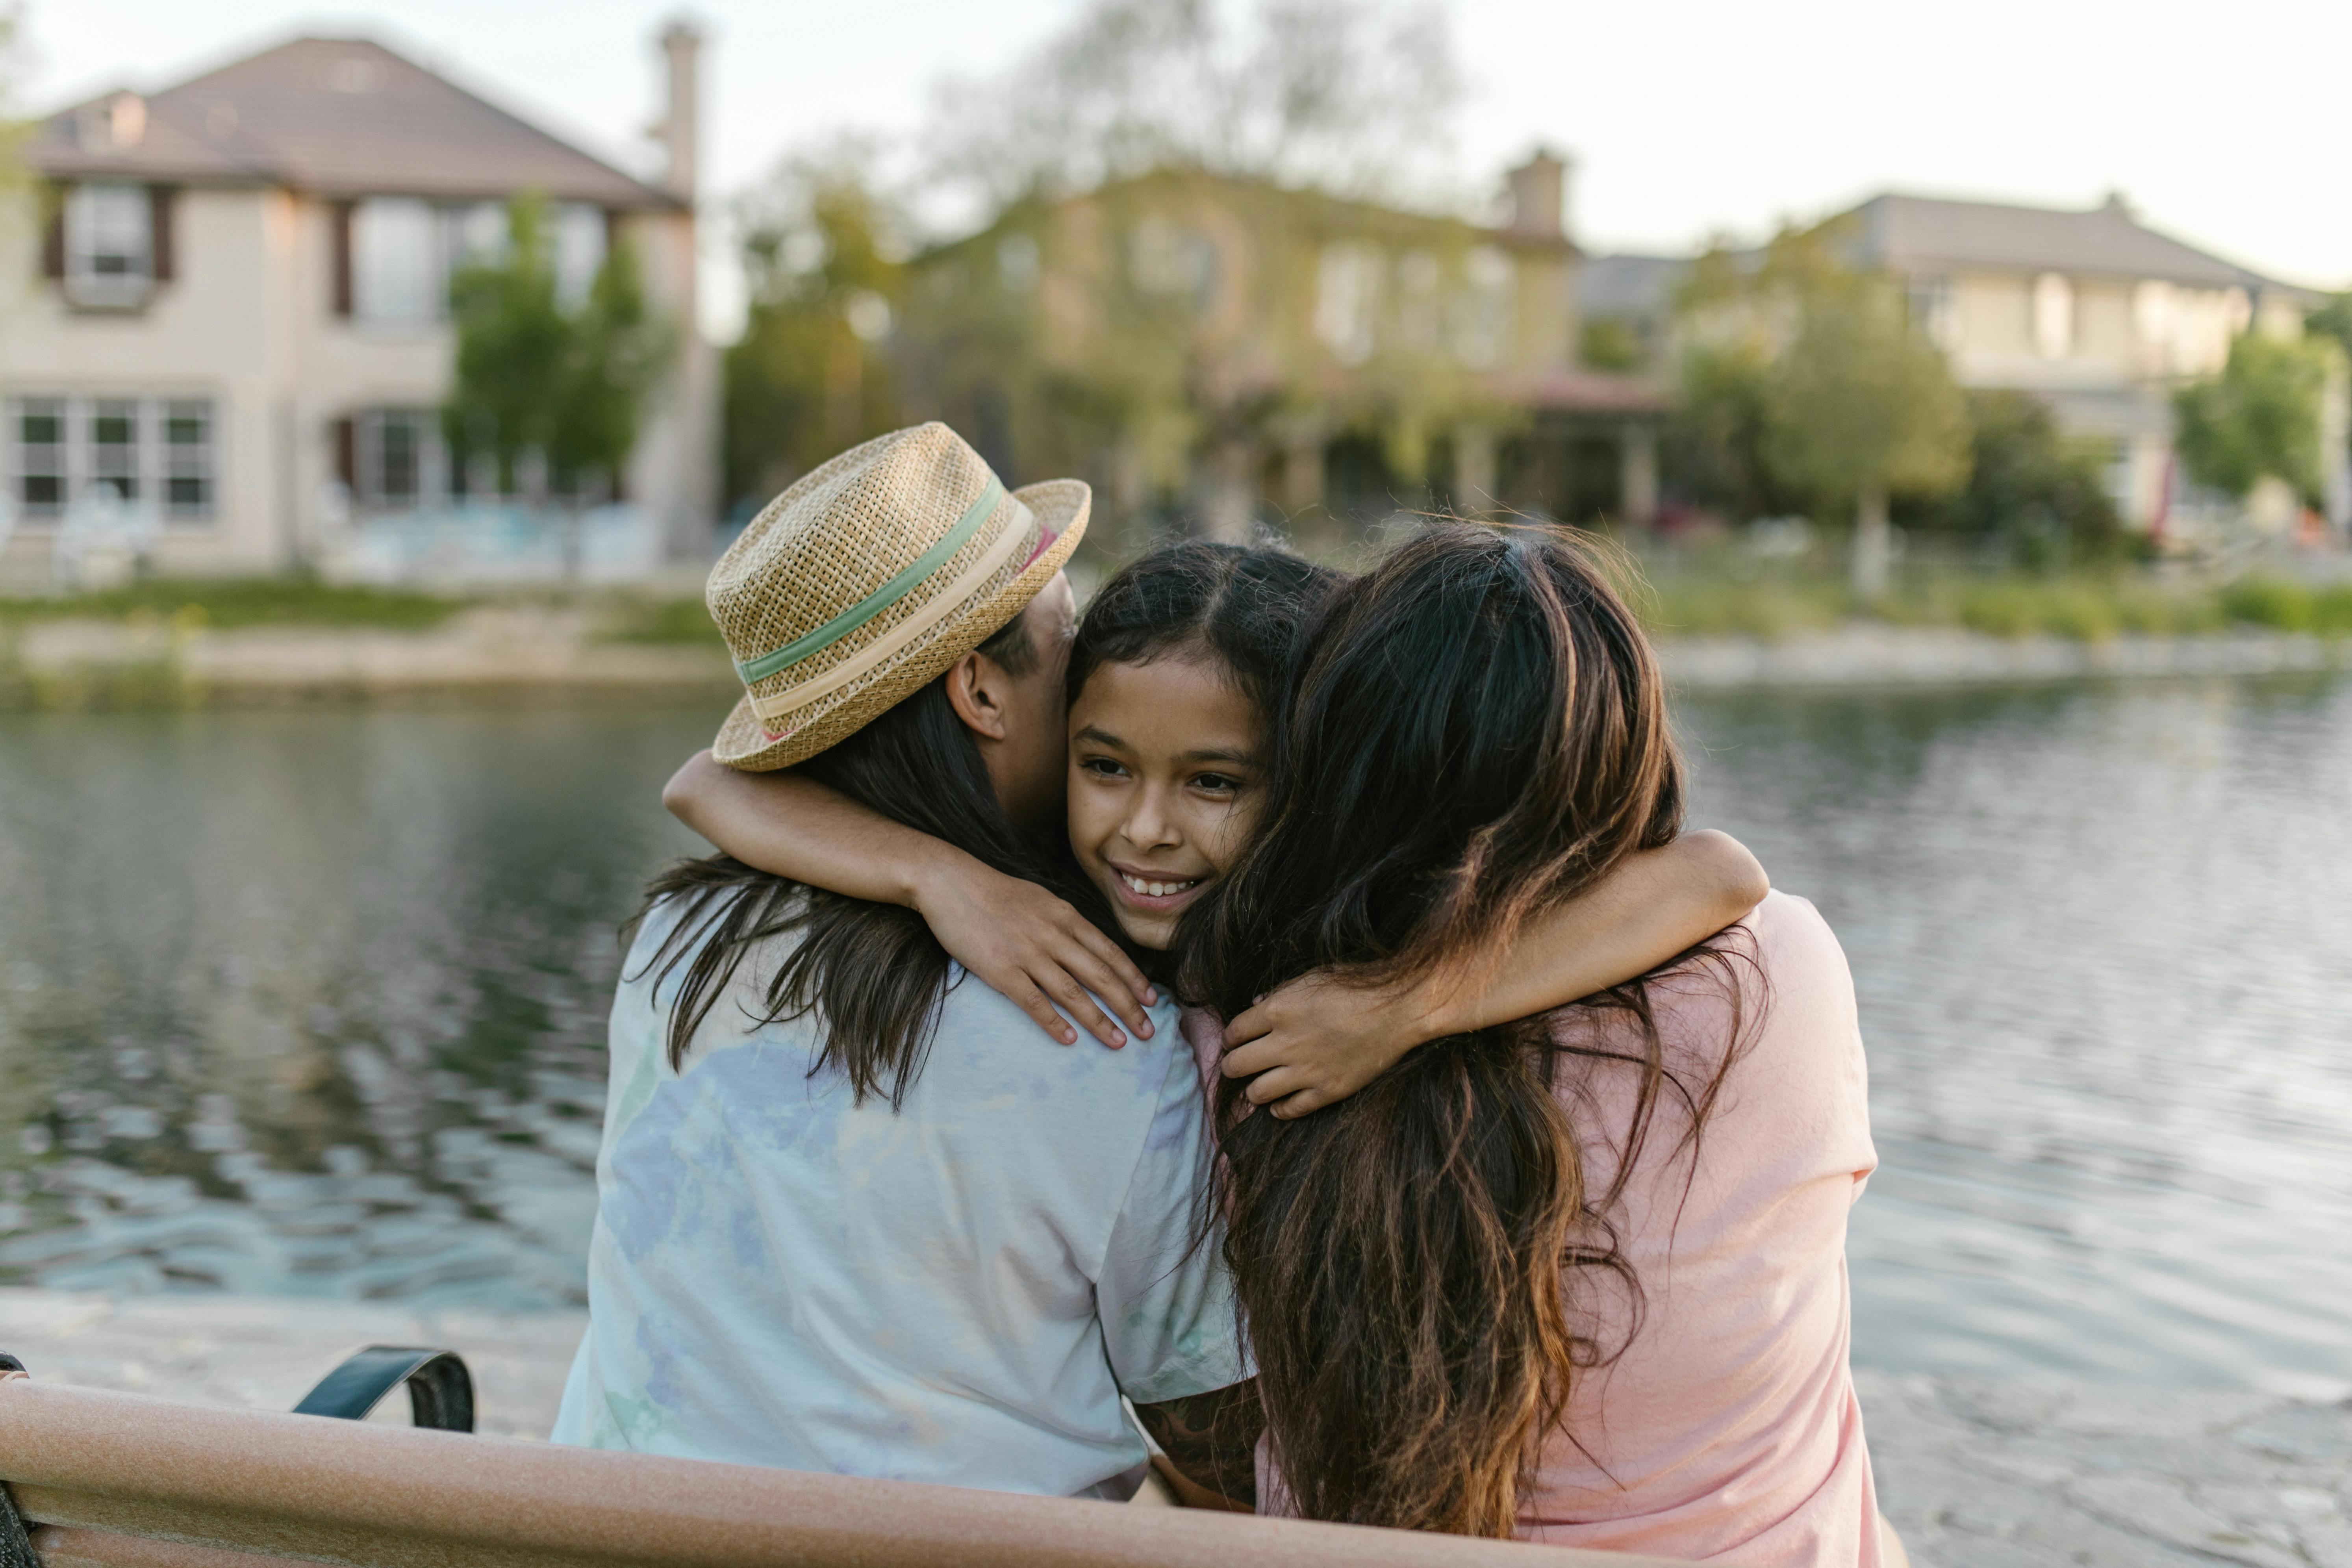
<point>1239,351</point>
<point>2091,311</point>
<point>2097,314</point>
<point>233,330</point>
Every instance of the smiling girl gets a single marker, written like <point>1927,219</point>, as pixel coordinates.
<point>1172,674</point>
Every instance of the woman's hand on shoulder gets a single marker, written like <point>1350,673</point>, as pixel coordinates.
<point>1317,1039</point>
<point>1033,948</point>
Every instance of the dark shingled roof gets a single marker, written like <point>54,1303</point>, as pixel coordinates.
<point>336,117</point>
<point>1915,231</point>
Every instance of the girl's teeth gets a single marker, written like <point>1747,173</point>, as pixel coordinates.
<point>1153,890</point>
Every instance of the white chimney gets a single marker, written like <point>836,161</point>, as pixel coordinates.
<point>680,130</point>
<point>1538,189</point>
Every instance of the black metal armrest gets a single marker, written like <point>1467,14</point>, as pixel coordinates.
<point>440,1390</point>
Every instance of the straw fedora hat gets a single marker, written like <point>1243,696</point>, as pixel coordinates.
<point>867,578</point>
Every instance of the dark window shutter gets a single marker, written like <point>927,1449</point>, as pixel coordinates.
<point>53,235</point>
<point>338,221</point>
<point>347,454</point>
<point>612,231</point>
<point>159,238</point>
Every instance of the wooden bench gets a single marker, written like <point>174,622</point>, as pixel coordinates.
<point>119,1481</point>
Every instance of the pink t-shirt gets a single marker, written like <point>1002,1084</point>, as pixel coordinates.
<point>1727,1431</point>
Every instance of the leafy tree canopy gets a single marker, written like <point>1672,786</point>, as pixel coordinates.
<point>2260,417</point>
<point>1350,96</point>
<point>824,253</point>
<point>2028,488</point>
<point>1806,376</point>
<point>534,375</point>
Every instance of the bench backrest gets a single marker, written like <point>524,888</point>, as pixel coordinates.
<point>118,1481</point>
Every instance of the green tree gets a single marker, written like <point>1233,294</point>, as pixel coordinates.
<point>535,377</point>
<point>1857,406</point>
<point>823,252</point>
<point>2259,418</point>
<point>2029,487</point>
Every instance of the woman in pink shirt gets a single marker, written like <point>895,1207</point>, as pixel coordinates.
<point>1581,1278</point>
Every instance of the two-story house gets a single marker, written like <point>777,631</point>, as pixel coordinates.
<point>1260,352</point>
<point>233,317</point>
<point>2091,310</point>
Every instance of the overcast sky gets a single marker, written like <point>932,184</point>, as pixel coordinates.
<point>2225,126</point>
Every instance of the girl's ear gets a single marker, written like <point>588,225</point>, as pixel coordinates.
<point>974,691</point>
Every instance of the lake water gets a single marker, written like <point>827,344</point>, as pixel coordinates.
<point>311,1003</point>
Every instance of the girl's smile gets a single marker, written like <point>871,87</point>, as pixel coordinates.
<point>1163,785</point>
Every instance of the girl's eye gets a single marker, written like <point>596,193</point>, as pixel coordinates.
<point>1216,783</point>
<point>1102,767</point>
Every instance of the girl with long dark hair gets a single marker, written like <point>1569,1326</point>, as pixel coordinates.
<point>1577,1276</point>
<point>1177,666</point>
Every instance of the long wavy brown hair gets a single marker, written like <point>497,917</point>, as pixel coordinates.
<point>1477,734</point>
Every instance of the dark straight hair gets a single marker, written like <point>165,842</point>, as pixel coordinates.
<point>1243,607</point>
<point>873,973</point>
<point>1479,733</point>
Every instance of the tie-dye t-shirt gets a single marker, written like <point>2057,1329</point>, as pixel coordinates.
<point>957,1291</point>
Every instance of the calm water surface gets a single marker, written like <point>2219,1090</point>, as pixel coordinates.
<point>312,1003</point>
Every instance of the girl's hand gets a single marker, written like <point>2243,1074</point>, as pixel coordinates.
<point>1319,1039</point>
<point>1033,948</point>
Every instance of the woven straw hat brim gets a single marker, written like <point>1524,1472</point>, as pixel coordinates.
<point>1061,507</point>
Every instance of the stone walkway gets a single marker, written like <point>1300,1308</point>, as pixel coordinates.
<point>1975,1474</point>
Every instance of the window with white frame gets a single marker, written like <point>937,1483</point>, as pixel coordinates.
<point>1483,324</point>
<point>38,466</point>
<point>110,245</point>
<point>113,434</point>
<point>579,252</point>
<point>1347,300</point>
<point>400,460</point>
<point>158,452</point>
<point>397,267</point>
<point>2053,316</point>
<point>187,458</point>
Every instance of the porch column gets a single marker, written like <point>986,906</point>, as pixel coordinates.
<point>1474,470</point>
<point>1231,505</point>
<point>1637,473</point>
<point>1302,474</point>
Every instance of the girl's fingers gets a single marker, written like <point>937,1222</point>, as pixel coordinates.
<point>1026,996</point>
<point>1280,1083</point>
<point>1257,1056</point>
<point>1130,979</point>
<point>1079,1006</point>
<point>1299,1104</point>
<point>1093,972</point>
<point>1248,1027</point>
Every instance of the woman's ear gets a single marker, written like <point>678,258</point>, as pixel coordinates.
<point>975,690</point>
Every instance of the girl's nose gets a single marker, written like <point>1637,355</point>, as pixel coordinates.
<point>1151,825</point>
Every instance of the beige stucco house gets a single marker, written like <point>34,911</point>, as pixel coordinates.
<point>222,305</point>
<point>1267,353</point>
<point>2099,315</point>
<point>2093,312</point>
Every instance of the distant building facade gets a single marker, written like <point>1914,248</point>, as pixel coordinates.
<point>2091,311</point>
<point>235,319</point>
<point>1267,353</point>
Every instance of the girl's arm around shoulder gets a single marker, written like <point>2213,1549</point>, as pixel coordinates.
<point>1018,938</point>
<point>1320,1039</point>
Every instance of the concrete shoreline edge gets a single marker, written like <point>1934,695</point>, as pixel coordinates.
<point>540,652</point>
<point>1971,1470</point>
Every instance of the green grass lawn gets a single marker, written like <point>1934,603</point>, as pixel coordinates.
<point>2086,608</point>
<point>226,602</point>
<point>1674,601</point>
